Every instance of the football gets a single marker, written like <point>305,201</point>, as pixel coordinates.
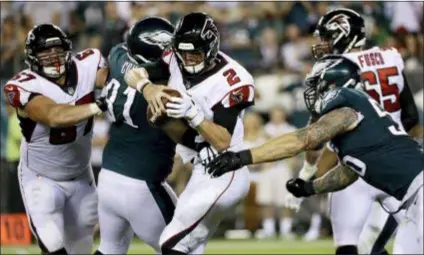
<point>159,121</point>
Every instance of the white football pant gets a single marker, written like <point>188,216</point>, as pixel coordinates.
<point>201,207</point>
<point>350,208</point>
<point>128,206</point>
<point>62,214</point>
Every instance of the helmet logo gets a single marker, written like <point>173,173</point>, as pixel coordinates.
<point>339,22</point>
<point>160,38</point>
<point>208,30</point>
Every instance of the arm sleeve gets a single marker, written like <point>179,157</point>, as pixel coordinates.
<point>409,114</point>
<point>227,111</point>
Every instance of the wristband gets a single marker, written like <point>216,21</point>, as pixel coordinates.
<point>307,171</point>
<point>141,84</point>
<point>197,119</point>
<point>94,109</point>
<point>245,157</point>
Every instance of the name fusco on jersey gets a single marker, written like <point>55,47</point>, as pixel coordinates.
<point>57,153</point>
<point>381,71</point>
<point>224,86</point>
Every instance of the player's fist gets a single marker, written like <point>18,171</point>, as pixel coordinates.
<point>137,78</point>
<point>300,188</point>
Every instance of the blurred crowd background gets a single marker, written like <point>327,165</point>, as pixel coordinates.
<point>271,39</point>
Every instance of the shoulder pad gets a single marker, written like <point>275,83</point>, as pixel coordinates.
<point>19,89</point>
<point>333,99</point>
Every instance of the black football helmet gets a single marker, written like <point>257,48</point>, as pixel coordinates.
<point>196,32</point>
<point>328,72</point>
<point>339,30</point>
<point>148,38</point>
<point>50,65</point>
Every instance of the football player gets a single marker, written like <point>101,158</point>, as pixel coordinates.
<point>54,99</point>
<point>215,92</point>
<point>133,194</point>
<point>368,142</point>
<point>342,31</point>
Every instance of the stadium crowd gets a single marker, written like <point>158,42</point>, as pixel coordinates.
<point>271,39</point>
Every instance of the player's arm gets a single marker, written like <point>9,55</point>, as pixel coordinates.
<point>326,161</point>
<point>42,109</point>
<point>102,74</point>
<point>333,123</point>
<point>138,78</point>
<point>216,132</point>
<point>409,115</point>
<point>336,179</point>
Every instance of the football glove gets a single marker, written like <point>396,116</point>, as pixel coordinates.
<point>229,161</point>
<point>300,188</point>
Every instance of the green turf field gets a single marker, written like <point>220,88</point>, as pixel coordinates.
<point>225,247</point>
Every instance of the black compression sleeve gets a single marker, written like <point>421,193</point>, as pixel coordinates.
<point>227,117</point>
<point>409,115</point>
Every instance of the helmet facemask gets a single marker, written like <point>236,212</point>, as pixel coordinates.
<point>53,62</point>
<point>314,93</point>
<point>51,59</point>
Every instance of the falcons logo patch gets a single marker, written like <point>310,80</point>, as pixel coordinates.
<point>12,95</point>
<point>239,95</point>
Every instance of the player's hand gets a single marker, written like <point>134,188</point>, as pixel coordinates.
<point>153,95</point>
<point>184,107</point>
<point>229,161</point>
<point>136,77</point>
<point>293,202</point>
<point>300,188</point>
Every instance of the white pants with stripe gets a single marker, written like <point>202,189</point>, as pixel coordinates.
<point>128,206</point>
<point>412,224</point>
<point>201,207</point>
<point>62,214</point>
<point>350,208</point>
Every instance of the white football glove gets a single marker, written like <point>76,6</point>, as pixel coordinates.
<point>293,202</point>
<point>184,107</point>
<point>305,173</point>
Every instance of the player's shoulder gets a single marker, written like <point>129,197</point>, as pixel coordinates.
<point>26,80</point>
<point>234,71</point>
<point>117,51</point>
<point>19,88</point>
<point>88,57</point>
<point>335,98</point>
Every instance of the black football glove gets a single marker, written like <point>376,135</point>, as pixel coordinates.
<point>229,161</point>
<point>102,103</point>
<point>300,188</point>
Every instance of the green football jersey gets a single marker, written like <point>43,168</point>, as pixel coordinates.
<point>377,149</point>
<point>135,149</point>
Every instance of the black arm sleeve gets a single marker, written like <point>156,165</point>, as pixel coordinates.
<point>227,117</point>
<point>409,115</point>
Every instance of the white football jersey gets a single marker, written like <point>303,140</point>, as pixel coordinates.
<point>230,85</point>
<point>57,153</point>
<point>381,71</point>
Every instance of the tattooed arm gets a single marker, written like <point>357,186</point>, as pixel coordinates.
<point>336,179</point>
<point>336,122</point>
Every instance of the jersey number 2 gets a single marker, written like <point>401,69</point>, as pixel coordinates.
<point>232,77</point>
<point>389,91</point>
